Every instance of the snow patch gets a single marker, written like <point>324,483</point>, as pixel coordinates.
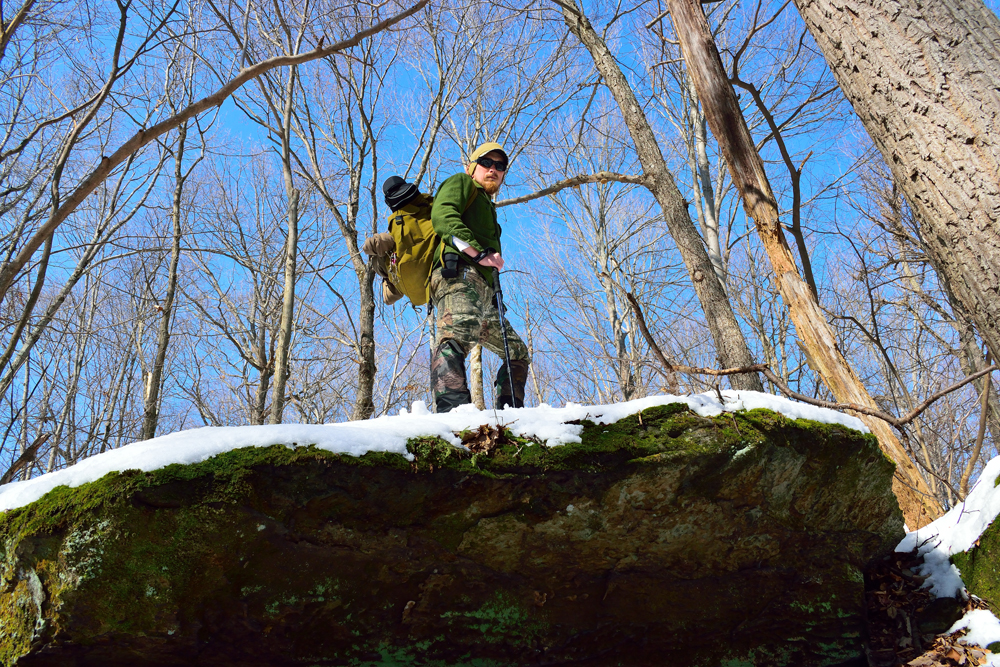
<point>955,532</point>
<point>983,628</point>
<point>390,433</point>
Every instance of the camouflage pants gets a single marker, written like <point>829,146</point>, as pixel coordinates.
<point>466,316</point>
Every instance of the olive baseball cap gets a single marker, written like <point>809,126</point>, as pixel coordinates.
<point>483,149</point>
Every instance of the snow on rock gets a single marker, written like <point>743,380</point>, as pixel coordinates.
<point>983,627</point>
<point>955,532</point>
<point>390,433</point>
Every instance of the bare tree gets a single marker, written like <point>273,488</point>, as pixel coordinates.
<point>60,208</point>
<point>729,340</point>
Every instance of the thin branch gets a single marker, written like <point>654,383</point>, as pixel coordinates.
<point>765,370</point>
<point>24,459</point>
<point>576,181</point>
<point>7,29</point>
<point>641,321</point>
<point>915,412</point>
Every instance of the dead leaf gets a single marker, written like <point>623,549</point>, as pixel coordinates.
<point>483,440</point>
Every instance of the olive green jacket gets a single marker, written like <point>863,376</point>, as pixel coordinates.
<point>477,226</point>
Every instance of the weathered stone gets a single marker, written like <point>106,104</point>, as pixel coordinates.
<point>980,567</point>
<point>665,539</point>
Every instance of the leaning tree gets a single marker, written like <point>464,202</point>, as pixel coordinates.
<point>924,78</point>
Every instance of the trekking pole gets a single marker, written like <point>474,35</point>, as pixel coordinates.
<point>498,295</point>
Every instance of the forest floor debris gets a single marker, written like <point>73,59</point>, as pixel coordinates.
<point>908,626</point>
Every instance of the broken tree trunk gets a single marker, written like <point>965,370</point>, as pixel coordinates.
<point>725,118</point>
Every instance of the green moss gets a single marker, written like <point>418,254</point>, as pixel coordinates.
<point>19,614</point>
<point>980,566</point>
<point>224,473</point>
<point>164,559</point>
<point>654,434</point>
<point>402,657</point>
<point>501,619</point>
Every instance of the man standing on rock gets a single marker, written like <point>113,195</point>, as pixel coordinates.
<point>462,287</point>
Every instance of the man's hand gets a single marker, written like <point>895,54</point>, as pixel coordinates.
<point>492,260</point>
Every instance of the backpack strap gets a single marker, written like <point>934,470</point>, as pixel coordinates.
<point>468,204</point>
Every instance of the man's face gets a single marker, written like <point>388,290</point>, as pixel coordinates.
<point>491,179</point>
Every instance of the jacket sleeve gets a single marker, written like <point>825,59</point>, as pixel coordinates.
<point>446,214</point>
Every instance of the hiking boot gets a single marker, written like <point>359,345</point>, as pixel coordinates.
<point>507,401</point>
<point>501,387</point>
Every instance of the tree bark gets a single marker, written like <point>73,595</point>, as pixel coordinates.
<point>923,78</point>
<point>725,118</point>
<point>151,411</point>
<point>281,368</point>
<point>730,344</point>
<point>476,377</point>
<point>282,353</point>
<point>364,404</point>
<point>977,448</point>
<point>705,204</point>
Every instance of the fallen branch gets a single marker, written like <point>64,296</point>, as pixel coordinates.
<point>576,181</point>
<point>25,458</point>
<point>765,370</point>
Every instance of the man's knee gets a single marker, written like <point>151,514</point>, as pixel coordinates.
<point>518,351</point>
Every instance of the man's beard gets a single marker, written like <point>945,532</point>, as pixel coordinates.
<point>491,187</point>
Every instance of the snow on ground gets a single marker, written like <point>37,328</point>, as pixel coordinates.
<point>390,433</point>
<point>953,533</point>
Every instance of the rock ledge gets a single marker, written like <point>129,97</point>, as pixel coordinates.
<point>665,538</point>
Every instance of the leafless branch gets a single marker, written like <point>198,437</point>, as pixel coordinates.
<point>765,370</point>
<point>576,181</point>
<point>25,458</point>
<point>641,321</point>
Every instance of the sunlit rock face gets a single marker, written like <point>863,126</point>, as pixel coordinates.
<point>663,539</point>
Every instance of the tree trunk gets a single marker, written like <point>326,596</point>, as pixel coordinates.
<point>730,343</point>
<point>287,311</point>
<point>364,405</point>
<point>923,78</point>
<point>291,251</point>
<point>151,412</point>
<point>971,360</point>
<point>725,118</point>
<point>705,204</point>
<point>476,377</point>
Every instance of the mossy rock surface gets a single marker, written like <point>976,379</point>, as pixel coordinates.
<point>665,538</point>
<point>980,566</point>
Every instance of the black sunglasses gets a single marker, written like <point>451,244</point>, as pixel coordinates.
<point>486,163</point>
